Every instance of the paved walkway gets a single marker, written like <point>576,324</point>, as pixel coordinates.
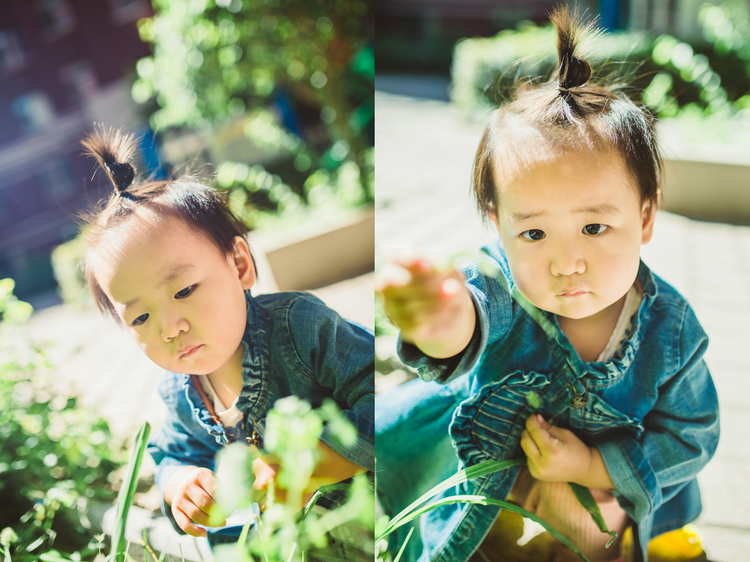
<point>423,161</point>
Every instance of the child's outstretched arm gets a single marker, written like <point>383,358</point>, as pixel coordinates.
<point>432,307</point>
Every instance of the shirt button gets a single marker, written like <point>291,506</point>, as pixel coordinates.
<point>579,401</point>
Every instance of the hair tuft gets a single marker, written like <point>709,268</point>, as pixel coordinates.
<point>112,149</point>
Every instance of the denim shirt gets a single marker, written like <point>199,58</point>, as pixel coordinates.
<point>294,345</point>
<point>651,410</point>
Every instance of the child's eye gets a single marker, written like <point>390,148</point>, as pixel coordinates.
<point>594,229</point>
<point>140,320</point>
<point>533,234</point>
<point>186,292</point>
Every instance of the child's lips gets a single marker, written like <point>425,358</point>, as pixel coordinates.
<point>188,350</point>
<point>573,292</point>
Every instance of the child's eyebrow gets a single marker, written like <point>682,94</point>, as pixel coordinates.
<point>173,274</point>
<point>600,209</point>
<point>176,272</point>
<point>518,217</point>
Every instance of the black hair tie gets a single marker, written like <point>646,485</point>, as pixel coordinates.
<point>122,175</point>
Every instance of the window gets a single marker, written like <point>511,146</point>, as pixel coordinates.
<point>13,52</point>
<point>124,11</point>
<point>57,179</point>
<point>34,111</point>
<point>57,17</point>
<point>80,80</point>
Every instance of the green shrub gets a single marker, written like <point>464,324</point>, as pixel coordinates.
<point>55,458</point>
<point>672,77</point>
<point>66,265</point>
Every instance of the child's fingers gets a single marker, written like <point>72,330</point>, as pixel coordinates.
<point>392,275</point>
<point>197,513</point>
<point>207,480</point>
<point>264,472</point>
<point>183,522</point>
<point>538,433</point>
<point>529,446</point>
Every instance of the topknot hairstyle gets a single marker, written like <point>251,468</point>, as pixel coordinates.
<point>113,150</point>
<point>186,199</point>
<point>567,113</point>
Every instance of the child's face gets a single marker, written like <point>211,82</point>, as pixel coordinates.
<point>572,229</point>
<point>181,299</point>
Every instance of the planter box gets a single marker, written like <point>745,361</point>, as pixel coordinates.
<point>707,169</point>
<point>712,191</point>
<point>317,254</point>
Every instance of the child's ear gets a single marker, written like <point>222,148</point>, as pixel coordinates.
<point>243,261</point>
<point>493,218</point>
<point>648,216</point>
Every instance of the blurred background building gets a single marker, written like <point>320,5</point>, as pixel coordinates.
<point>419,35</point>
<point>64,64</point>
<point>271,103</point>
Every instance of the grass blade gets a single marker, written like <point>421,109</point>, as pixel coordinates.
<point>589,504</point>
<point>127,491</point>
<point>480,469</point>
<point>403,546</point>
<point>482,500</point>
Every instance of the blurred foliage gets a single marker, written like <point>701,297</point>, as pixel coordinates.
<point>294,77</point>
<point>717,75</point>
<point>55,458</point>
<point>672,77</point>
<point>67,259</point>
<point>292,434</point>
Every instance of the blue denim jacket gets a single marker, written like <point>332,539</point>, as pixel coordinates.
<point>651,410</point>
<point>294,345</point>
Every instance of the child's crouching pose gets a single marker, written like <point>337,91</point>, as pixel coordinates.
<point>170,262</point>
<point>561,308</point>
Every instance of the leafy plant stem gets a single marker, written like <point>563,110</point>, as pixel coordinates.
<point>480,469</point>
<point>127,492</point>
<point>482,500</point>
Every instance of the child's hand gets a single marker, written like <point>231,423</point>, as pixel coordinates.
<point>266,470</point>
<point>554,454</point>
<point>190,493</point>
<point>432,307</point>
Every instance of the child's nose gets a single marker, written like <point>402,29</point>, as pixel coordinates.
<point>172,326</point>
<point>566,259</point>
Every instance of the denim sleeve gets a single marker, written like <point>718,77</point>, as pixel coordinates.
<point>681,431</point>
<point>340,356</point>
<point>174,445</point>
<point>494,309</point>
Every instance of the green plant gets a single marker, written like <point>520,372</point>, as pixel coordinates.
<point>282,533</point>
<point>56,457</point>
<point>672,77</point>
<point>127,492</point>
<point>485,71</point>
<point>294,78</point>
<point>420,505</point>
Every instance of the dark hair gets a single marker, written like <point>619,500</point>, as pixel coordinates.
<point>563,113</point>
<point>185,199</point>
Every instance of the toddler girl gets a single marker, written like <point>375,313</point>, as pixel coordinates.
<point>169,261</point>
<point>576,356</point>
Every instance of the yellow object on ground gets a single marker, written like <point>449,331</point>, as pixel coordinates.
<point>680,545</point>
<point>501,544</point>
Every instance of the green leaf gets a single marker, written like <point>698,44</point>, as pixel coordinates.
<point>482,500</point>
<point>589,504</point>
<point>403,546</point>
<point>127,492</point>
<point>481,469</point>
